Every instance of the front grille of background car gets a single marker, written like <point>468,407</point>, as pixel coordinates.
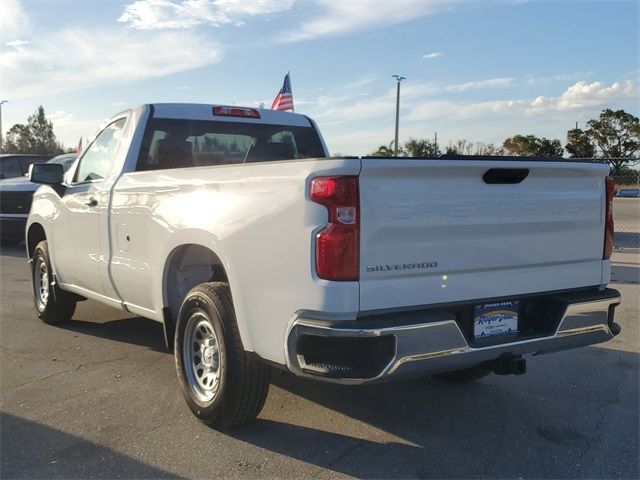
<point>15,202</point>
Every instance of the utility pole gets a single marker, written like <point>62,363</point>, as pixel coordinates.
<point>2,102</point>
<point>395,145</point>
<point>435,142</point>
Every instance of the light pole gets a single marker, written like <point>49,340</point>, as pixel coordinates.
<point>2,102</point>
<point>395,146</point>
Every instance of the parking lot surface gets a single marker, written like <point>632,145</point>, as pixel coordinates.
<point>98,398</point>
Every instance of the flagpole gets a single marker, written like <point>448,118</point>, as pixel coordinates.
<point>293,108</point>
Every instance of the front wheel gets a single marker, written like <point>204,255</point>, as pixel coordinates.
<point>52,307</point>
<point>222,385</point>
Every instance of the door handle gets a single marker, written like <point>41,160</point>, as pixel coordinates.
<point>504,176</point>
<point>92,202</point>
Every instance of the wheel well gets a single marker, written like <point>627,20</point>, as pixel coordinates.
<point>188,266</point>
<point>34,237</point>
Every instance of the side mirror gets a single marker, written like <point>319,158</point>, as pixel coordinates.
<point>46,173</point>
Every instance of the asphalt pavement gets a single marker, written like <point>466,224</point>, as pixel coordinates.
<point>98,398</point>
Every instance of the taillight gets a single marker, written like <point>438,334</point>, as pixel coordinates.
<point>236,112</point>
<point>610,190</point>
<point>337,245</point>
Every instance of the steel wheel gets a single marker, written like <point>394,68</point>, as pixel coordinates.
<point>222,384</point>
<point>41,283</point>
<point>53,306</point>
<point>201,357</point>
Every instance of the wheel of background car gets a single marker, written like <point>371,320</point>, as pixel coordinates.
<point>222,385</point>
<point>52,307</point>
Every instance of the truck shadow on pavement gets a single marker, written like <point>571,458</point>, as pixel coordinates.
<point>31,450</point>
<point>135,331</point>
<point>556,422</point>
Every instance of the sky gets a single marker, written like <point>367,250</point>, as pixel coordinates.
<point>478,70</point>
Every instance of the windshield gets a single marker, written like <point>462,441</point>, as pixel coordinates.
<point>171,143</point>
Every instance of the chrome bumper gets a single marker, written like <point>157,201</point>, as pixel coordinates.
<point>438,345</point>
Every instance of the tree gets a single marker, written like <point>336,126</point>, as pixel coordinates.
<point>35,137</point>
<point>489,149</point>
<point>579,144</point>
<point>421,147</point>
<point>460,147</point>
<point>617,136</point>
<point>384,151</point>
<point>532,146</point>
<point>465,147</point>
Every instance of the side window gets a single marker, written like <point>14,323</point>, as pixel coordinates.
<point>97,161</point>
<point>9,168</point>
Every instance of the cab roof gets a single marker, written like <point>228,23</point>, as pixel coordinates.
<point>196,111</point>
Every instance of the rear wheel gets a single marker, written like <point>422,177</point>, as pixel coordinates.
<point>52,307</point>
<point>466,375</point>
<point>222,385</point>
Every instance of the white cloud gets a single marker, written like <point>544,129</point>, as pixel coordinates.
<point>583,94</point>
<point>60,116</point>
<point>69,129</point>
<point>487,121</point>
<point>333,110</point>
<point>433,55</point>
<point>14,22</point>
<point>562,77</point>
<point>358,84</point>
<point>578,96</point>
<point>351,106</point>
<point>17,43</point>
<point>340,17</point>
<point>490,83</point>
<point>161,14</point>
<point>100,57</point>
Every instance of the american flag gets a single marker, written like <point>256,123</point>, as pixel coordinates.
<point>284,99</point>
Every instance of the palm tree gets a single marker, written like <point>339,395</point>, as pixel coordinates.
<point>384,151</point>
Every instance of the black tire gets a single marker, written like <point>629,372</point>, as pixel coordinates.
<point>466,375</point>
<point>56,306</point>
<point>242,382</point>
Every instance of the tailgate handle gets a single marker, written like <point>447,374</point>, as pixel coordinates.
<point>504,176</point>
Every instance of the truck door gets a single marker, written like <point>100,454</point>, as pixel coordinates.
<point>81,241</point>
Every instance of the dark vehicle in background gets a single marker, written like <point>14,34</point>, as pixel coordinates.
<point>628,193</point>
<point>16,165</point>
<point>16,195</point>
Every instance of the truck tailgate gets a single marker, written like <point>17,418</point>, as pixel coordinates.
<point>433,231</point>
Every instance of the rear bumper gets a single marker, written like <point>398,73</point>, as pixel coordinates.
<point>429,342</point>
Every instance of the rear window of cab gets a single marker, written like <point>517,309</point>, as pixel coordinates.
<point>177,143</point>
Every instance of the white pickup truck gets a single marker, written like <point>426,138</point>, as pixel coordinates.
<point>234,229</point>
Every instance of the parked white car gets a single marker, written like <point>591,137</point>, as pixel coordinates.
<point>234,229</point>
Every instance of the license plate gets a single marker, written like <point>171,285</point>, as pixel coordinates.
<point>495,319</point>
